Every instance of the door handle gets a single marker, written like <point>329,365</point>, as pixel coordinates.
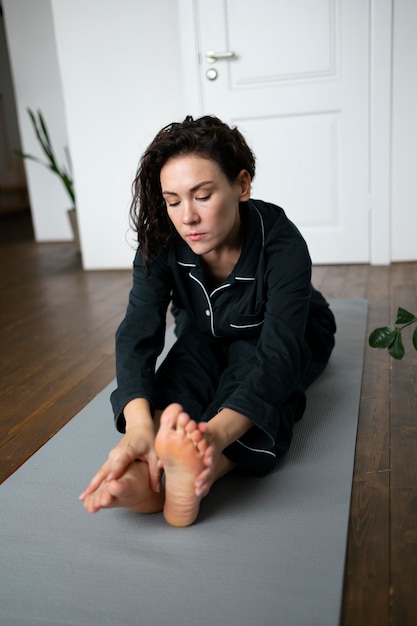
<point>212,57</point>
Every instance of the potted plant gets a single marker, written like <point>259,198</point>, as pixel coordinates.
<point>64,173</point>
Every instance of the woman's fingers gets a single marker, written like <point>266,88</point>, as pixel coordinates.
<point>202,483</point>
<point>119,459</point>
<point>95,482</point>
<point>136,445</point>
<point>154,472</point>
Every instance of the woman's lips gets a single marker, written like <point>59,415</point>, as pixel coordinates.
<point>195,236</point>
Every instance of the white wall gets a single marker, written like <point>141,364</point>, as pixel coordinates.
<point>37,84</point>
<point>121,75</point>
<point>404,132</point>
<point>107,76</point>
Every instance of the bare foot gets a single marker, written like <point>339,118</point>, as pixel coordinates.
<point>183,451</point>
<point>131,491</point>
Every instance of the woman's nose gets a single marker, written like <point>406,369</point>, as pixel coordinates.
<point>189,216</point>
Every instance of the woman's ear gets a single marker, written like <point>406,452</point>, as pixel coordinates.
<point>244,181</point>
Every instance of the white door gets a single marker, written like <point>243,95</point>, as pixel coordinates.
<point>296,83</point>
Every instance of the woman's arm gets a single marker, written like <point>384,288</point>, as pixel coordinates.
<point>140,336</point>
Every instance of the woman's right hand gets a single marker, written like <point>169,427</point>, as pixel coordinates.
<point>137,444</point>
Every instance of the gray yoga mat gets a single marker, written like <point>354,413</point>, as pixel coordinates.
<point>268,551</point>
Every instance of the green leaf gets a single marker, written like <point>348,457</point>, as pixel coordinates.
<point>30,156</point>
<point>415,338</point>
<point>382,337</point>
<point>38,133</point>
<point>396,349</point>
<point>404,317</point>
<point>42,124</point>
<point>46,142</point>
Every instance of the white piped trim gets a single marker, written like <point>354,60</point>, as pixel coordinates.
<point>210,308</point>
<point>256,449</point>
<point>262,226</point>
<point>247,325</point>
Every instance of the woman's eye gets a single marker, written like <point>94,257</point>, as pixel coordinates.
<point>203,198</point>
<point>173,204</point>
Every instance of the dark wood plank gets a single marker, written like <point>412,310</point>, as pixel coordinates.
<point>403,508</point>
<point>366,586</point>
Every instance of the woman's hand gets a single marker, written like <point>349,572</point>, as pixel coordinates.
<point>137,444</point>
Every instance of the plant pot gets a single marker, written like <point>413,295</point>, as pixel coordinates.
<point>72,215</point>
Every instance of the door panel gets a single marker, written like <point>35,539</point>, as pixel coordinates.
<point>295,26</point>
<point>297,87</point>
<point>313,200</point>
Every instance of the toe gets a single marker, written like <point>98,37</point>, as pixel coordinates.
<point>191,427</point>
<point>182,422</point>
<point>170,415</point>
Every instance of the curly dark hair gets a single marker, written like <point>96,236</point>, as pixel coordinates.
<point>206,137</point>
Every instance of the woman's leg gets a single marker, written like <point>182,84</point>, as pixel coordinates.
<point>190,374</point>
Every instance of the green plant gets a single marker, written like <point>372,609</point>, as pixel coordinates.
<point>41,131</point>
<point>390,336</point>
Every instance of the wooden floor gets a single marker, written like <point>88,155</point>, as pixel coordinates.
<point>57,324</point>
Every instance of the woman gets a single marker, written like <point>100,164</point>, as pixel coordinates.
<point>252,331</point>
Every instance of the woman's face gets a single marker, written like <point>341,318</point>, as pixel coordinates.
<point>203,204</point>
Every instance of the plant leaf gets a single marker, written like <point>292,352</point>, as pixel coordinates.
<point>415,338</point>
<point>42,124</point>
<point>43,138</point>
<point>404,317</point>
<point>30,156</point>
<point>38,133</point>
<point>396,349</point>
<point>382,337</point>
